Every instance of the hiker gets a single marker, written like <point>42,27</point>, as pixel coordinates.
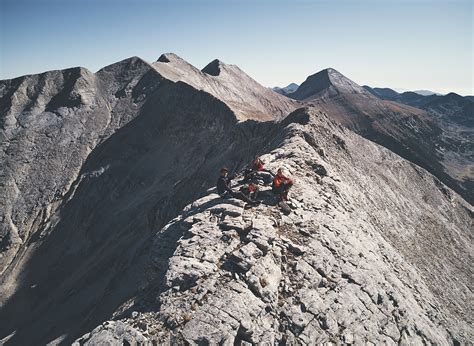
<point>224,188</point>
<point>250,190</point>
<point>281,185</point>
<point>257,173</point>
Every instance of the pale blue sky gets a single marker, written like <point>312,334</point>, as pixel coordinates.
<point>416,44</point>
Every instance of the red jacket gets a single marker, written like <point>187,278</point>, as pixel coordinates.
<point>279,179</point>
<point>257,165</point>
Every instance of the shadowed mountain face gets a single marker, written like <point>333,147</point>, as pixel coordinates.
<point>435,132</point>
<point>94,165</point>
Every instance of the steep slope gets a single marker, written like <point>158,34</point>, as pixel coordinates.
<point>49,124</point>
<point>362,257</point>
<point>454,116</point>
<point>242,94</point>
<point>413,133</point>
<point>94,163</point>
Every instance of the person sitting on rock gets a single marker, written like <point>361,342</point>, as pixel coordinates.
<point>250,190</point>
<point>281,185</point>
<point>257,173</point>
<point>224,188</point>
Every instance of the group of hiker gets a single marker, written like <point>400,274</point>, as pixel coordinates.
<point>255,175</point>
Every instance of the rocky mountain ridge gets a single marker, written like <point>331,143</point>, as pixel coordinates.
<point>327,272</point>
<point>98,171</point>
<point>92,162</point>
<point>229,83</point>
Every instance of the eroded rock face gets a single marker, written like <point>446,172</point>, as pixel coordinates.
<point>364,256</point>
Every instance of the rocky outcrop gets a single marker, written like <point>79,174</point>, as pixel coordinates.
<point>362,257</point>
<point>113,333</point>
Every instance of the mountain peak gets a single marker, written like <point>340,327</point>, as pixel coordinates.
<point>213,68</point>
<point>131,63</point>
<point>168,57</point>
<point>328,81</point>
<point>453,95</point>
<point>290,88</point>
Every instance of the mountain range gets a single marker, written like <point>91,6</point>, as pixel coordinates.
<point>434,132</point>
<point>111,230</point>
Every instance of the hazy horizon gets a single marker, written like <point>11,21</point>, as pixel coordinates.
<point>419,45</point>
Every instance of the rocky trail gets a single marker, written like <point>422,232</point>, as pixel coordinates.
<point>339,268</point>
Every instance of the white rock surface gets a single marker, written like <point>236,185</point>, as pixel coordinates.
<point>362,258</point>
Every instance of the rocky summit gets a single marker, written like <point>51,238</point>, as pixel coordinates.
<point>112,231</point>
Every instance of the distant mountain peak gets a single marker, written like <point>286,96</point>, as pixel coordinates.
<point>168,57</point>
<point>383,93</point>
<point>426,92</point>
<point>129,63</point>
<point>453,94</point>
<point>290,88</point>
<point>330,81</point>
<point>213,68</point>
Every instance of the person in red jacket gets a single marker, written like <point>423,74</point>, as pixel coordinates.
<point>257,164</point>
<point>281,185</point>
<point>257,172</point>
<point>250,190</point>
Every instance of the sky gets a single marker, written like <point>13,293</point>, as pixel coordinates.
<point>412,45</point>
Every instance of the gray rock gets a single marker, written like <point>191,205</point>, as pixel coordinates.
<point>246,256</point>
<point>108,207</point>
<point>113,333</point>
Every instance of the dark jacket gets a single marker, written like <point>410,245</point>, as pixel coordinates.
<point>223,185</point>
